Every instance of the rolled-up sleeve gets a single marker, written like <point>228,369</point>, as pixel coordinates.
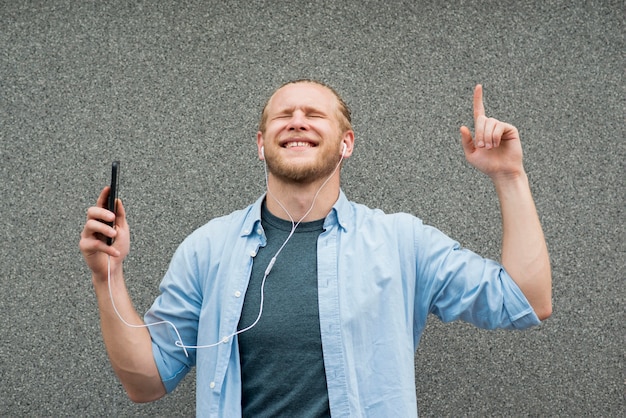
<point>177,306</point>
<point>456,283</point>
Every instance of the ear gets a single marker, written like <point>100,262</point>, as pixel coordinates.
<point>259,144</point>
<point>347,140</point>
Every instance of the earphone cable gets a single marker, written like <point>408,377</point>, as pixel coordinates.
<point>294,225</point>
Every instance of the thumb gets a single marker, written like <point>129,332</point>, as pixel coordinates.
<point>467,141</point>
<point>120,217</point>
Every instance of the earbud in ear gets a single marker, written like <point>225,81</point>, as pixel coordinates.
<point>345,148</point>
<point>262,152</point>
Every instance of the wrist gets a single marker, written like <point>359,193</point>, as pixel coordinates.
<point>114,271</point>
<point>510,179</point>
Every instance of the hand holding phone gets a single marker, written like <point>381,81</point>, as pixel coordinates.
<point>112,200</point>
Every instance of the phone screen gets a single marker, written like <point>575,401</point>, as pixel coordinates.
<point>112,201</point>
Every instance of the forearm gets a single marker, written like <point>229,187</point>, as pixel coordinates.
<point>524,250</point>
<point>129,348</point>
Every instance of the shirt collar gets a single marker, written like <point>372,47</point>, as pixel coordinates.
<point>339,214</point>
<point>252,220</point>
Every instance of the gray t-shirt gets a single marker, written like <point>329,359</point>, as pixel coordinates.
<point>281,356</point>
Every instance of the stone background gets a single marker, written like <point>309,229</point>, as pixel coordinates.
<point>174,90</point>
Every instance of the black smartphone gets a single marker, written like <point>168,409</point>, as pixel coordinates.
<point>112,200</point>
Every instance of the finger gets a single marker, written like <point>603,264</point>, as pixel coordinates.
<point>467,141</point>
<point>94,228</point>
<point>479,131</point>
<point>120,219</point>
<point>91,246</point>
<point>103,198</point>
<point>93,238</point>
<point>498,131</point>
<point>490,125</point>
<point>479,108</point>
<point>100,214</point>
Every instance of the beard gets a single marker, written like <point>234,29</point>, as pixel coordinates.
<point>299,172</point>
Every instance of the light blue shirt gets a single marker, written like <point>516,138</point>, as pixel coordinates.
<point>379,276</point>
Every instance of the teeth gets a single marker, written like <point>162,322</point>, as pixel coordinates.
<point>297,144</point>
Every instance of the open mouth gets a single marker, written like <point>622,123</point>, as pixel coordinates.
<point>298,144</point>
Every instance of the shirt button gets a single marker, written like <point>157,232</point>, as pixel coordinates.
<point>212,385</point>
<point>237,294</point>
<point>253,253</point>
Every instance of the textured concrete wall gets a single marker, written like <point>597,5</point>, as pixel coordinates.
<point>174,90</point>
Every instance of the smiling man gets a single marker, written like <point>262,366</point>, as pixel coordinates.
<point>307,304</point>
<point>303,131</point>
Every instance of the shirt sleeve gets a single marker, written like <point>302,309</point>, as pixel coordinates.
<point>175,313</point>
<point>456,283</point>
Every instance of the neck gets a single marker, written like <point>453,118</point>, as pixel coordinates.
<point>302,202</point>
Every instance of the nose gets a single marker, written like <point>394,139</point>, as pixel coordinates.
<point>298,121</point>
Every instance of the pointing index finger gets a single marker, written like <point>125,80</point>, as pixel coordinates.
<point>479,108</point>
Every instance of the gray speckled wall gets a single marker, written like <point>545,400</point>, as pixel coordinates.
<point>174,90</point>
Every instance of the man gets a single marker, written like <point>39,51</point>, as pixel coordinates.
<point>306,304</point>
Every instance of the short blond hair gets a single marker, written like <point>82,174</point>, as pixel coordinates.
<point>344,115</point>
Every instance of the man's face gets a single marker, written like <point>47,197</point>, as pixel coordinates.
<point>302,139</point>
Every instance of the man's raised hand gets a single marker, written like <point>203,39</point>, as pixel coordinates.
<point>495,148</point>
